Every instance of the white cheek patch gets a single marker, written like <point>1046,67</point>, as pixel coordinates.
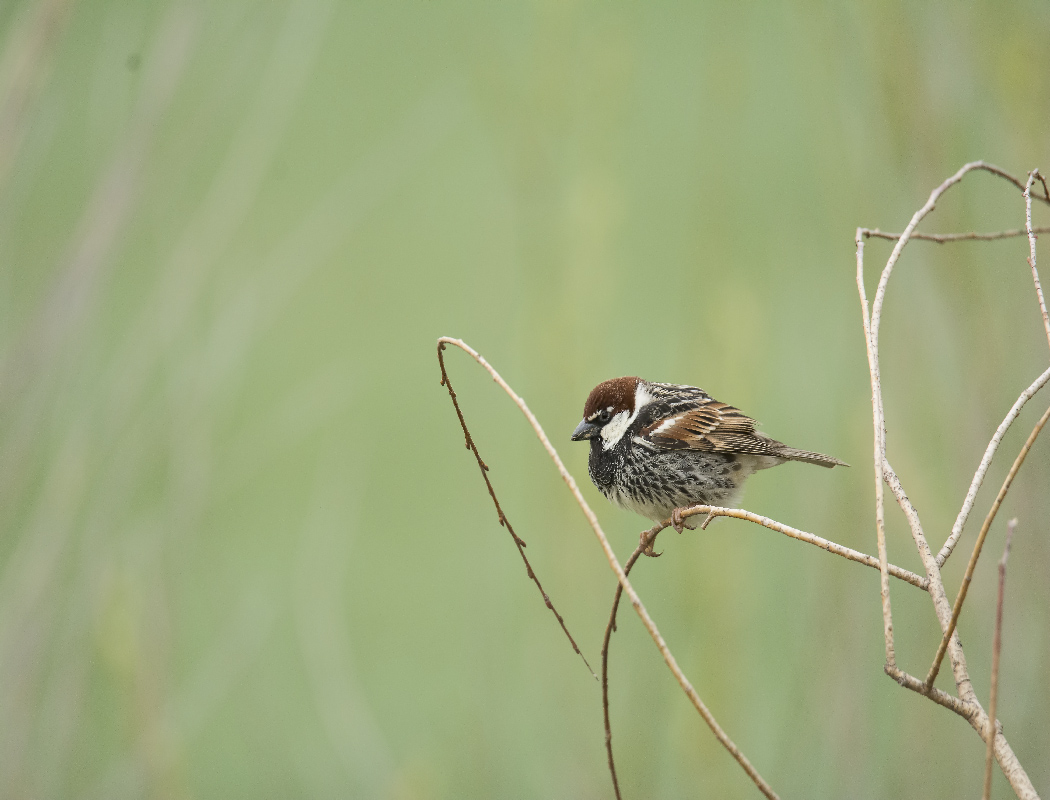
<point>615,429</point>
<point>618,425</point>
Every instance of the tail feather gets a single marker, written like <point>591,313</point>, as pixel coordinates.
<point>810,457</point>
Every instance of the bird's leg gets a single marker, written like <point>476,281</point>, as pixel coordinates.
<point>648,550</point>
<point>676,519</point>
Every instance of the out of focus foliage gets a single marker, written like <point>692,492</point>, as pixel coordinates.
<point>243,552</point>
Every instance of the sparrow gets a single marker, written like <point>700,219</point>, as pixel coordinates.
<point>658,448</point>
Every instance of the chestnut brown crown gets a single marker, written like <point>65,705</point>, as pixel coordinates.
<point>616,394</point>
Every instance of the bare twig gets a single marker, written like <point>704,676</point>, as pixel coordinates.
<point>935,586</point>
<point>621,576</point>
<point>986,460</point>
<point>1032,177</point>
<point>824,544</point>
<point>997,643</point>
<point>879,447</point>
<point>966,704</point>
<point>518,542</point>
<point>1046,189</point>
<point>1045,198</point>
<point>946,238</point>
<point>964,709</point>
<point>961,597</point>
<point>645,544</point>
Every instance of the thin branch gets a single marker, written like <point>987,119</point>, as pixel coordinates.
<point>961,707</point>
<point>1042,180</point>
<point>645,544</point>
<point>961,597</point>
<point>810,538</point>
<point>879,447</point>
<point>518,541</point>
<point>935,583</point>
<point>997,644</point>
<point>1032,176</point>
<point>945,238</point>
<point>614,564</point>
<point>894,482</point>
<point>1045,198</point>
<point>978,478</point>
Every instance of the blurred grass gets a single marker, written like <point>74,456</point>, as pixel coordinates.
<point>244,553</point>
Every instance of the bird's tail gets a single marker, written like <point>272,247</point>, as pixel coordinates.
<point>810,457</point>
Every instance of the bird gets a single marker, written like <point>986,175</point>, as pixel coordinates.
<point>658,448</point>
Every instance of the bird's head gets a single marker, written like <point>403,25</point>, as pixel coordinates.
<point>609,409</point>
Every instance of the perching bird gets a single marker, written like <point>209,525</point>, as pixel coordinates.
<point>657,448</point>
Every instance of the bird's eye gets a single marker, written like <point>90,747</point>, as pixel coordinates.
<point>605,416</point>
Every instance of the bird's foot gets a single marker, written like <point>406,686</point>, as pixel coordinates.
<point>676,520</point>
<point>647,549</point>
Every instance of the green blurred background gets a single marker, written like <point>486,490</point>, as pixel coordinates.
<point>243,551</point>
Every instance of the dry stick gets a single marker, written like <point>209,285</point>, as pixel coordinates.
<point>518,542</point>
<point>986,460</point>
<point>1045,198</point>
<point>1007,759</point>
<point>879,447</point>
<point>945,238</point>
<point>614,564</point>
<point>1032,176</point>
<point>997,643</point>
<point>935,584</point>
<point>961,597</point>
<point>969,711</point>
<point>644,544</point>
<point>810,538</point>
<point>1042,180</point>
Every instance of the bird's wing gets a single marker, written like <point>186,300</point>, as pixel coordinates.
<point>709,426</point>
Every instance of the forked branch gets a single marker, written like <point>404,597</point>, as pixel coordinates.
<point>966,704</point>
<point>518,542</point>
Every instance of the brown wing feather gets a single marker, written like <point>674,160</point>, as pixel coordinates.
<point>712,427</point>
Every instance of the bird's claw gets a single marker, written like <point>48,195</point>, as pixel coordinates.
<point>647,549</point>
<point>676,520</point>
